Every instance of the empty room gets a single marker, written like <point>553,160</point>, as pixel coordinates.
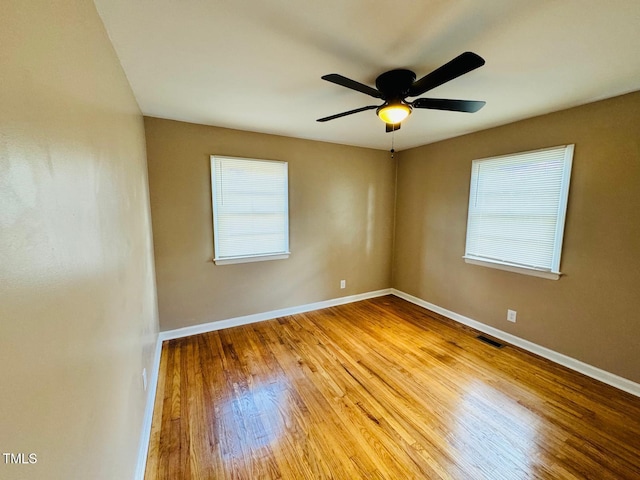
<point>307,240</point>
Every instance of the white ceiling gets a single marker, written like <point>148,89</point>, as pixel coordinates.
<point>256,64</point>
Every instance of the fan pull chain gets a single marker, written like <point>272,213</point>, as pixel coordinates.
<point>393,133</point>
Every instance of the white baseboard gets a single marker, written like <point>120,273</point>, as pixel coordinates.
<point>581,367</point>
<point>148,413</point>
<point>259,317</point>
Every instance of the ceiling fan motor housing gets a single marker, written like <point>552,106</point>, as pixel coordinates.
<point>395,84</point>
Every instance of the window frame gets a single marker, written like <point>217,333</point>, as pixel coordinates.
<point>553,272</point>
<point>257,257</point>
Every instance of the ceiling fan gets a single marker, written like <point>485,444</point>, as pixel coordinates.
<point>394,86</point>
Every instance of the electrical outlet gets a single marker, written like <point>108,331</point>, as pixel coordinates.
<point>511,315</point>
<point>144,379</point>
<point>343,284</point>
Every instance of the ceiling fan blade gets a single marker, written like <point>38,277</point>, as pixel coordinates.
<point>469,106</point>
<point>352,84</point>
<point>460,65</point>
<point>392,127</point>
<point>344,114</point>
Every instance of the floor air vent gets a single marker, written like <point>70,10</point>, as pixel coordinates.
<point>490,341</point>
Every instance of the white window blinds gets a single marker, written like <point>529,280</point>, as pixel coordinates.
<point>517,206</point>
<point>250,209</point>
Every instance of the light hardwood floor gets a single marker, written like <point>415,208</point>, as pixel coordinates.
<point>380,389</point>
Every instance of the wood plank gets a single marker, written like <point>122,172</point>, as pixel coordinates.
<point>380,389</point>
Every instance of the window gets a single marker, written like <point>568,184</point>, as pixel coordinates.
<point>517,206</point>
<point>250,210</point>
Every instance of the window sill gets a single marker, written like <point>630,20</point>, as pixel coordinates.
<point>249,259</point>
<point>513,268</point>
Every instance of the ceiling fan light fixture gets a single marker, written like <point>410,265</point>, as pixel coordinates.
<point>393,88</point>
<point>394,113</point>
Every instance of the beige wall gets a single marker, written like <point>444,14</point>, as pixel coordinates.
<point>78,318</point>
<point>593,312</point>
<point>341,221</point>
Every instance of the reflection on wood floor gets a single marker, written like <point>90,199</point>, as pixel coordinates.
<point>380,389</point>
